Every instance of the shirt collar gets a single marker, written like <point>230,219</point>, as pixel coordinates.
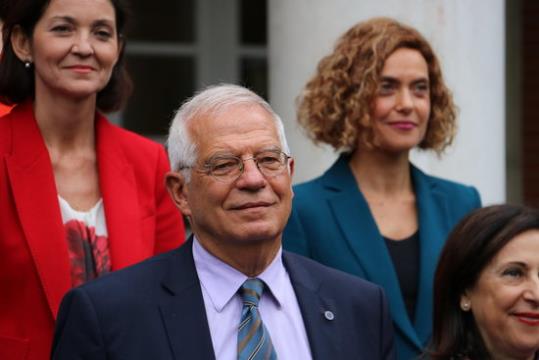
<point>221,281</point>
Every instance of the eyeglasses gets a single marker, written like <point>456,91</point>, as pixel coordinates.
<point>227,168</point>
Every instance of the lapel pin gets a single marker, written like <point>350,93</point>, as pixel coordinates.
<point>329,315</point>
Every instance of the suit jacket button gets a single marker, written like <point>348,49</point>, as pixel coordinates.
<point>329,315</point>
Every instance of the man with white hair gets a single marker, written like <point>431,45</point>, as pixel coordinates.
<point>230,292</point>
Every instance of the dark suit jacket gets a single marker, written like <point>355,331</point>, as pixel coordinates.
<point>34,265</point>
<point>155,310</point>
<point>331,223</point>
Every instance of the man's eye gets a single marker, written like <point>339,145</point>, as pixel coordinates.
<point>268,160</point>
<point>223,165</point>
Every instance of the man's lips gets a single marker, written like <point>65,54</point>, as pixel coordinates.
<point>528,318</point>
<point>251,205</point>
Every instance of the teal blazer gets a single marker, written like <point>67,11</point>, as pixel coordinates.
<point>331,223</point>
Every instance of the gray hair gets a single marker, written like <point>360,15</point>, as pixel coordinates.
<point>212,100</point>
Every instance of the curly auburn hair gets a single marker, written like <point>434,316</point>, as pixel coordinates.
<point>335,105</point>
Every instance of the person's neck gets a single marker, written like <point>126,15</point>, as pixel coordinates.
<point>381,173</point>
<point>250,259</point>
<point>65,124</point>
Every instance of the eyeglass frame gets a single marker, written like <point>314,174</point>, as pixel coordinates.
<point>207,167</point>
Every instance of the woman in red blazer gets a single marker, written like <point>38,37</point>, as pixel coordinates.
<point>79,197</point>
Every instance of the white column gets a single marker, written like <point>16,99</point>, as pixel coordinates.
<point>468,37</point>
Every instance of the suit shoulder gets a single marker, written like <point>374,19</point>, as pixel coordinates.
<point>131,140</point>
<point>460,194</point>
<point>449,185</point>
<point>137,276</point>
<point>307,186</point>
<point>308,192</point>
<point>457,199</point>
<point>333,278</point>
<point>146,157</point>
<point>337,179</point>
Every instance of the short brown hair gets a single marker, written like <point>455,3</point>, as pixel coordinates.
<point>335,106</point>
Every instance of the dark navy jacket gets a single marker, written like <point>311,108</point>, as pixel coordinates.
<point>155,310</point>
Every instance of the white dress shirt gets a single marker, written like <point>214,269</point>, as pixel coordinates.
<point>278,307</point>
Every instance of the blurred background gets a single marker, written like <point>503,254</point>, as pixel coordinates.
<point>489,50</point>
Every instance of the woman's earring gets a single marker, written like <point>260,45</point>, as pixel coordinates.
<point>27,64</point>
<point>465,306</point>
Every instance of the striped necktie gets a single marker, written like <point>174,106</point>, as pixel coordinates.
<point>254,342</point>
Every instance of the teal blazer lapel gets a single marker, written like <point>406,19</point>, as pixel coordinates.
<point>354,218</point>
<point>433,214</point>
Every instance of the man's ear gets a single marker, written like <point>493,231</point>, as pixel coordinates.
<point>291,170</point>
<point>178,191</point>
<point>21,44</point>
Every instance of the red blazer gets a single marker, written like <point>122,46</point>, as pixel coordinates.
<point>34,266</point>
<point>4,109</point>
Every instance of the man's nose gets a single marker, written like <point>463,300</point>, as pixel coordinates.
<point>251,176</point>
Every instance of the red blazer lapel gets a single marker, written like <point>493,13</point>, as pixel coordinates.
<point>120,196</point>
<point>34,191</point>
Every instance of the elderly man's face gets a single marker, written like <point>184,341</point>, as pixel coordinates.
<point>253,207</point>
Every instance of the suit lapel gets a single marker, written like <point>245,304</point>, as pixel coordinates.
<point>432,212</point>
<point>34,191</point>
<point>352,214</point>
<point>324,335</point>
<point>120,198</point>
<point>184,314</point>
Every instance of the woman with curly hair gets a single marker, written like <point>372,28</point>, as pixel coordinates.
<point>377,96</point>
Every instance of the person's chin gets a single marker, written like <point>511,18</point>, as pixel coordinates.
<point>400,145</point>
<point>257,232</point>
<point>527,341</point>
<point>83,87</point>
<point>80,92</point>
<point>253,213</point>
